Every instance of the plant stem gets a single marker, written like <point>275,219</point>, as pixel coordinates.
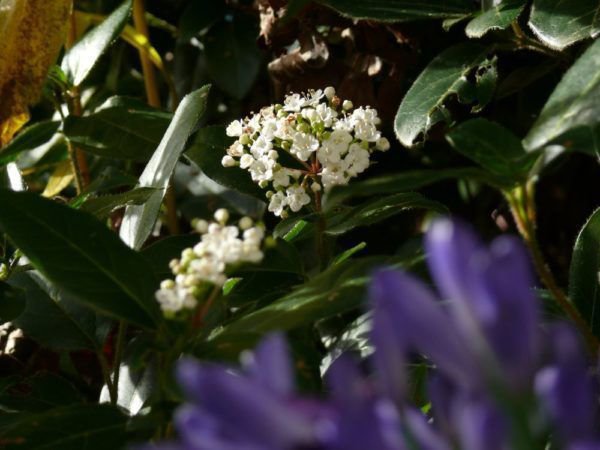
<point>522,204</point>
<point>79,163</point>
<point>153,97</point>
<point>119,346</point>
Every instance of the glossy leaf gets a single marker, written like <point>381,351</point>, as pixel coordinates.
<point>76,427</point>
<point>160,253</point>
<point>400,10</point>
<point>12,302</point>
<point>405,181</point>
<point>584,286</point>
<point>80,59</point>
<point>120,129</point>
<point>444,76</point>
<point>207,150</point>
<point>574,104</point>
<point>103,205</point>
<point>493,147</point>
<point>497,18</point>
<point>379,209</point>
<point>559,23</point>
<point>138,221</point>
<point>232,55</point>
<point>339,289</point>
<point>28,139</point>
<point>53,319</point>
<point>80,255</point>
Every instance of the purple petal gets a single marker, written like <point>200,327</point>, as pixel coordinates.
<point>245,406</point>
<point>504,282</point>
<point>348,387</point>
<point>422,433</point>
<point>422,324</point>
<point>270,365</point>
<point>389,358</point>
<point>479,425</point>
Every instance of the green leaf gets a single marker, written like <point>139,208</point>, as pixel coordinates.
<point>444,76</point>
<point>83,56</point>
<point>584,281</point>
<point>38,393</point>
<point>497,18</point>
<point>559,23</point>
<point>574,104</point>
<point>379,209</point>
<point>53,319</point>
<point>400,10</point>
<point>493,147</point>
<point>232,56</point>
<point>102,206</point>
<point>160,253</point>
<point>12,302</point>
<point>280,256</point>
<point>76,427</point>
<point>80,255</point>
<point>339,289</point>
<point>119,129</point>
<point>406,181</point>
<point>28,139</point>
<point>348,253</point>
<point>207,150</point>
<point>138,221</point>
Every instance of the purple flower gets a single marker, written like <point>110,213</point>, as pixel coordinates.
<point>499,381</point>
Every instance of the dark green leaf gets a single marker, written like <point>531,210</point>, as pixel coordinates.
<point>12,302</point>
<point>584,282</point>
<point>80,255</point>
<point>119,129</point>
<point>160,253</point>
<point>379,209</point>
<point>102,206</point>
<point>232,55</point>
<point>497,18</point>
<point>208,150</point>
<point>339,289</point>
<point>77,427</point>
<point>53,319</point>
<point>38,393</point>
<point>405,181</point>
<point>28,139</point>
<point>560,23</point>
<point>492,146</point>
<point>400,10</point>
<point>444,76</point>
<point>83,56</point>
<point>138,221</point>
<point>575,103</point>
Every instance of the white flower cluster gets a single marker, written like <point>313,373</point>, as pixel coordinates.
<point>326,140</point>
<point>220,246</point>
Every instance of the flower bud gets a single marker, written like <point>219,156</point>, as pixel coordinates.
<point>244,139</point>
<point>246,223</point>
<point>222,216</point>
<point>329,92</point>
<point>347,105</point>
<point>228,161</point>
<point>382,144</point>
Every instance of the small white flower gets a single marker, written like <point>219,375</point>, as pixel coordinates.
<point>304,145</point>
<point>277,203</point>
<point>234,129</point>
<point>246,161</point>
<point>297,197</point>
<point>228,161</point>
<point>221,215</point>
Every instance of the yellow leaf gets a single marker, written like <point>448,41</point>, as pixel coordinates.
<point>31,35</point>
<point>59,180</point>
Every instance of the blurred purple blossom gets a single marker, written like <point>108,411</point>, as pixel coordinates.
<point>499,380</point>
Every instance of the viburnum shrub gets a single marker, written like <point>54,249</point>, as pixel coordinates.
<point>305,146</point>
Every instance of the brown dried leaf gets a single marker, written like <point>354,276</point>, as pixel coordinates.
<point>31,34</point>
